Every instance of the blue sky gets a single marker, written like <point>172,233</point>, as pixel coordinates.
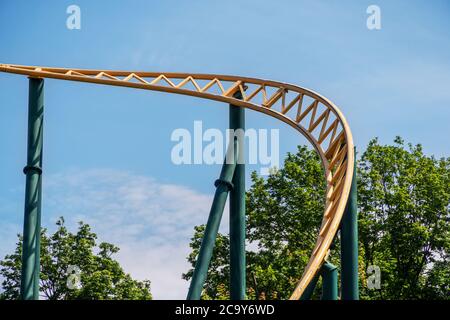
<point>107,149</point>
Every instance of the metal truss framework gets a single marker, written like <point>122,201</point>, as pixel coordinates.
<point>313,115</point>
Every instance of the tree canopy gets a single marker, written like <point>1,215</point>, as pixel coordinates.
<point>404,220</point>
<point>74,266</point>
<point>404,226</point>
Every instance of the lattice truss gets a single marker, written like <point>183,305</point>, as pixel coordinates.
<point>316,117</point>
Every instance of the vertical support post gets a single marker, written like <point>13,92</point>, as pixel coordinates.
<point>349,245</point>
<point>29,288</point>
<point>237,208</point>
<point>329,281</point>
<point>223,186</point>
<point>307,294</point>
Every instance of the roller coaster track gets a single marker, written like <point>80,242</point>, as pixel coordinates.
<point>313,115</point>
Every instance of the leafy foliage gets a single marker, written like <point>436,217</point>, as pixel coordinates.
<point>101,277</point>
<point>404,220</point>
<point>404,226</point>
<point>283,216</point>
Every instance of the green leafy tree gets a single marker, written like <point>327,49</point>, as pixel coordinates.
<point>404,220</point>
<point>216,286</point>
<point>404,225</point>
<point>73,266</point>
<point>283,217</point>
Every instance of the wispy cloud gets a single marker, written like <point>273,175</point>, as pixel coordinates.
<point>151,222</point>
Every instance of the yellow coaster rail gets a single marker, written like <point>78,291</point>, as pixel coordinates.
<point>310,113</point>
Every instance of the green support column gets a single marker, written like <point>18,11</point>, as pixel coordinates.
<point>307,294</point>
<point>329,281</point>
<point>37,277</point>
<point>349,245</point>
<point>237,210</point>
<point>29,288</point>
<point>223,186</point>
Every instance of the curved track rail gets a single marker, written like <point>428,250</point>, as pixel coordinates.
<point>313,115</point>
